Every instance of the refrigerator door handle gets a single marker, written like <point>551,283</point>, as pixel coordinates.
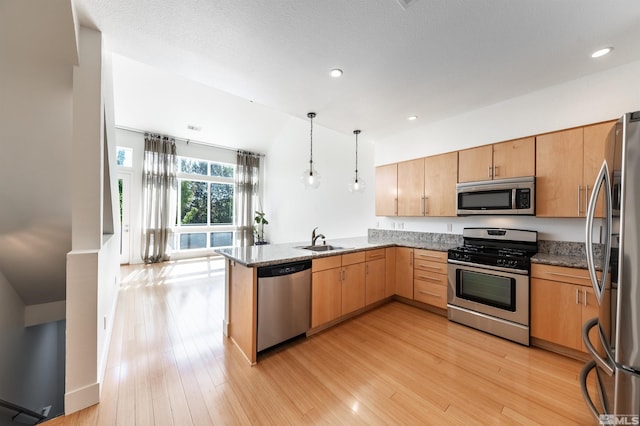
<point>603,178</point>
<point>585,392</point>
<point>602,363</point>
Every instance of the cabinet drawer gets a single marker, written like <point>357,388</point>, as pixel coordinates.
<point>326,263</point>
<point>562,273</point>
<point>374,254</point>
<point>431,277</point>
<point>352,258</point>
<point>429,265</point>
<point>435,256</point>
<point>430,293</point>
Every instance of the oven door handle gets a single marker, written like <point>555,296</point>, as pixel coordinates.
<point>492,268</point>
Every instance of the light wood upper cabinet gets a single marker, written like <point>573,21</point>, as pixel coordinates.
<point>387,190</point>
<point>567,163</point>
<point>515,158</point>
<point>559,166</point>
<point>411,187</point>
<point>474,164</point>
<point>440,178</point>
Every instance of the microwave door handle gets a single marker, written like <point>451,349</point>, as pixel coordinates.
<point>603,178</point>
<point>513,199</point>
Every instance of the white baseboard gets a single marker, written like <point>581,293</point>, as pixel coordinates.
<point>82,398</point>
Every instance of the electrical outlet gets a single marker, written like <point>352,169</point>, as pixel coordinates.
<point>401,225</point>
<point>393,225</point>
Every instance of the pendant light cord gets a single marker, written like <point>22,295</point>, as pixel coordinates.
<point>311,156</point>
<point>356,132</point>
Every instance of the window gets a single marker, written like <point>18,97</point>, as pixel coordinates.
<point>124,156</point>
<point>205,204</point>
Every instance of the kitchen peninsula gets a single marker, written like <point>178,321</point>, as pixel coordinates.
<point>242,265</point>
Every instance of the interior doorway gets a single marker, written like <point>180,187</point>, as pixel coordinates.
<point>124,190</point>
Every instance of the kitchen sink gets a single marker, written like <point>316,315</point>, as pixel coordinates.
<point>324,247</point>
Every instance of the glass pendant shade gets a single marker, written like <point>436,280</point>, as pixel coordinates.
<point>310,177</point>
<point>357,184</point>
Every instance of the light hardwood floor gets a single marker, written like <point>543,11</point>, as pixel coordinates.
<point>169,364</point>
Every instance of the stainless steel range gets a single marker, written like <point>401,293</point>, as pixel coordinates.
<point>489,281</point>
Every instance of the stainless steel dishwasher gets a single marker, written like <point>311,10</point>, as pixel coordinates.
<point>284,302</point>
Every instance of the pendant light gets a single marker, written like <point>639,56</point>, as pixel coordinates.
<point>310,177</point>
<point>356,184</point>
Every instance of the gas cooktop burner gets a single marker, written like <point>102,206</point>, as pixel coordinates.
<point>505,248</point>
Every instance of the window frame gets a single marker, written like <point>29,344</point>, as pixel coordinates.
<point>209,228</point>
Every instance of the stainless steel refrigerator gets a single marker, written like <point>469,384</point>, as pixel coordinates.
<point>614,267</point>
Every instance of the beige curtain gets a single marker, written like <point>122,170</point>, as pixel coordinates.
<point>246,194</point>
<point>159,193</point>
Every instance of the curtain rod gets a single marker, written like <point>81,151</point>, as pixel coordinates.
<point>188,141</point>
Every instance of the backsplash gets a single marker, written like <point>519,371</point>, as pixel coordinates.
<point>413,238</point>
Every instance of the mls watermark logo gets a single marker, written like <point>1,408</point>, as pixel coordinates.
<point>619,419</point>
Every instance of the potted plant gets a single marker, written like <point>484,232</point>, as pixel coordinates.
<point>258,229</point>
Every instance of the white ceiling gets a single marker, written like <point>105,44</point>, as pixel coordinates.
<point>241,69</point>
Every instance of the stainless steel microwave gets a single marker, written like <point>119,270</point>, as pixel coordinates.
<point>514,196</point>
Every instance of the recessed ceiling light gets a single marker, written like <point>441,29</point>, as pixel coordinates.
<point>335,73</point>
<point>601,52</point>
<point>413,117</point>
<point>194,128</point>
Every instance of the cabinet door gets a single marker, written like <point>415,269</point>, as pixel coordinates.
<point>353,288</point>
<point>404,272</point>
<point>440,178</point>
<point>386,190</point>
<point>559,165</point>
<point>411,187</point>
<point>390,272</point>
<point>374,282</point>
<point>475,164</point>
<point>556,315</point>
<point>599,142</point>
<point>326,296</point>
<point>514,158</point>
<point>590,309</point>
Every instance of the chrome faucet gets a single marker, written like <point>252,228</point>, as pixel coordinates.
<point>315,236</point>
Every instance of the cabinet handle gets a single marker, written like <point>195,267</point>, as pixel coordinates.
<point>429,294</point>
<point>395,206</point>
<point>579,199</point>
<point>577,296</point>
<point>584,300</point>
<point>430,267</point>
<point>428,278</point>
<point>426,205</point>
<point>558,274</point>
<point>423,204</point>
<point>489,171</point>
<point>495,171</point>
<point>586,198</point>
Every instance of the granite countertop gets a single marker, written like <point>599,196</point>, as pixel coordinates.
<point>557,253</point>
<point>274,254</point>
<point>570,261</point>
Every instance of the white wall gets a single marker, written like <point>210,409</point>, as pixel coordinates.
<point>92,265</point>
<point>598,97</point>
<point>294,211</point>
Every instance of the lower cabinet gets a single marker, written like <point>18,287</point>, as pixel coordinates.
<point>562,300</point>
<point>337,287</point>
<point>430,277</point>
<point>404,272</point>
<point>375,274</point>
